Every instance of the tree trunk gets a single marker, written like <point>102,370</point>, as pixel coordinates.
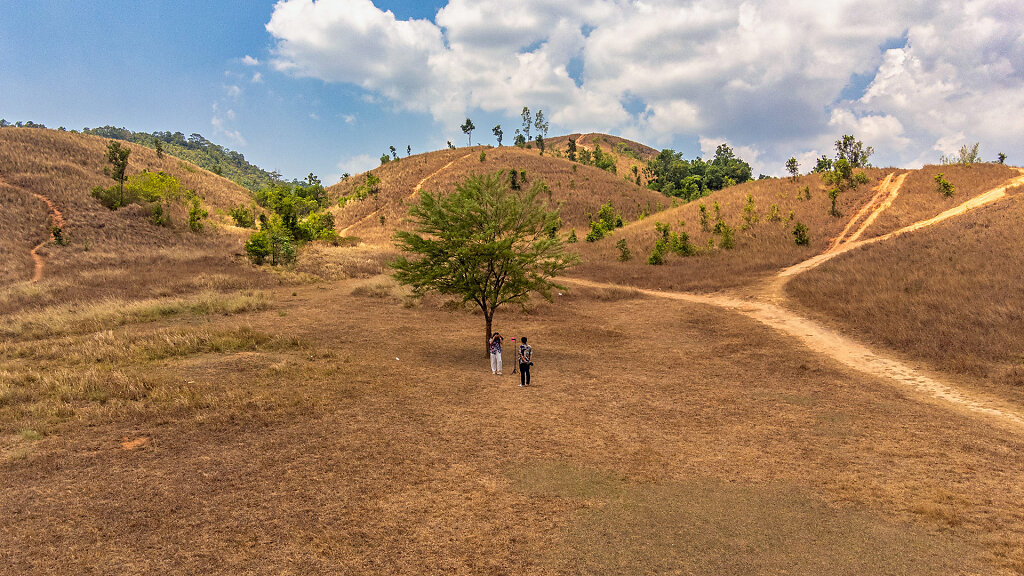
<point>487,341</point>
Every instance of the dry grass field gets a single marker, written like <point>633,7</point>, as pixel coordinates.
<point>764,248</point>
<point>167,408</point>
<point>949,295</point>
<point>269,435</point>
<point>919,198</point>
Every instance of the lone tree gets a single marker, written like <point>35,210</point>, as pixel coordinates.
<point>853,151</point>
<point>117,155</point>
<point>498,133</point>
<point>793,167</point>
<point>467,129</point>
<point>484,243</point>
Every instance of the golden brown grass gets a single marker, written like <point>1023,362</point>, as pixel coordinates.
<point>627,152</point>
<point>919,198</point>
<point>949,295</point>
<point>109,253</point>
<point>763,249</point>
<point>369,437</point>
<point>579,191</point>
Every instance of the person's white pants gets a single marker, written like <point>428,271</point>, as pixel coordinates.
<point>495,362</point>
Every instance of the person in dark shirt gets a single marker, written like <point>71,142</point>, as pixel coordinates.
<point>525,361</point>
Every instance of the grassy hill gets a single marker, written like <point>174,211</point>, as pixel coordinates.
<point>197,150</point>
<point>949,295</point>
<point>109,253</point>
<point>579,191</point>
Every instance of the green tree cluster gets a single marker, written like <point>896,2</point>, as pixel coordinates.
<point>669,241</point>
<point>297,215</point>
<point>671,175</point>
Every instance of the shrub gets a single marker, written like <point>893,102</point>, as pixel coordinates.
<point>258,247</point>
<point>945,187</point>
<point>800,234</point>
<point>624,253</point>
<point>750,216</point>
<point>158,216</point>
<point>243,217</point>
<point>727,241</point>
<point>153,187</point>
<point>773,214</point>
<point>111,197</point>
<point>483,156</point>
<point>316,226</point>
<point>572,237</point>
<point>657,257</point>
<point>608,219</point>
<point>58,236</point>
<point>196,213</point>
<point>704,224</point>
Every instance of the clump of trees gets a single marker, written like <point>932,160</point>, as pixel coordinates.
<point>968,155</point>
<point>669,241</point>
<point>155,191</point>
<point>197,150</point>
<point>297,215</point>
<point>485,243</point>
<point>671,175</point>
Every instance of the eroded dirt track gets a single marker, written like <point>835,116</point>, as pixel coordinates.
<point>766,306</point>
<point>56,220</point>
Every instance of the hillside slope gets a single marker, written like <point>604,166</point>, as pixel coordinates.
<point>949,295</point>
<point>766,247</point>
<point>579,191</point>
<point>108,252</point>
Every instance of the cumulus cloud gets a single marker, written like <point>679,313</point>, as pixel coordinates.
<point>772,76</point>
<point>250,61</point>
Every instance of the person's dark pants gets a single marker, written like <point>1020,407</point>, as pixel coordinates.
<point>524,374</point>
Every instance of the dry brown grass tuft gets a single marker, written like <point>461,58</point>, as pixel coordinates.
<point>62,320</point>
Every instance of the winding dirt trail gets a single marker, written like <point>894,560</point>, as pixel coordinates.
<point>767,306</point>
<point>415,191</point>
<point>56,219</point>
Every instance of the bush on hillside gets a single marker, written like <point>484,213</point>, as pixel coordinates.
<point>608,219</point>
<point>800,234</point>
<point>945,187</point>
<point>244,217</point>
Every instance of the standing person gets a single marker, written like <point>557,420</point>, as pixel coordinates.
<point>495,344</point>
<point>525,361</point>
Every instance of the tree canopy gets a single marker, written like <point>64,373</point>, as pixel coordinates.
<point>671,175</point>
<point>484,243</point>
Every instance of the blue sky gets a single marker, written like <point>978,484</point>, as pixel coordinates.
<point>327,86</point>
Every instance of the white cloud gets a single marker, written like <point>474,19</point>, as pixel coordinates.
<point>257,78</point>
<point>769,75</point>
<point>250,61</point>
<point>233,91</point>
<point>348,118</point>
<point>355,165</point>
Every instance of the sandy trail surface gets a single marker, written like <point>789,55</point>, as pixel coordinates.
<point>766,305</point>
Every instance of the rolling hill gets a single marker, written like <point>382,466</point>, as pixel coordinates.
<point>578,191</point>
<point>108,253</point>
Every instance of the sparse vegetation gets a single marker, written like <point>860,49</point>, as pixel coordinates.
<point>624,254</point>
<point>608,219</point>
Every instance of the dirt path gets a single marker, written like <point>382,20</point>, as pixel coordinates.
<point>766,306</point>
<point>56,219</point>
<point>883,189</point>
<point>415,191</point>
